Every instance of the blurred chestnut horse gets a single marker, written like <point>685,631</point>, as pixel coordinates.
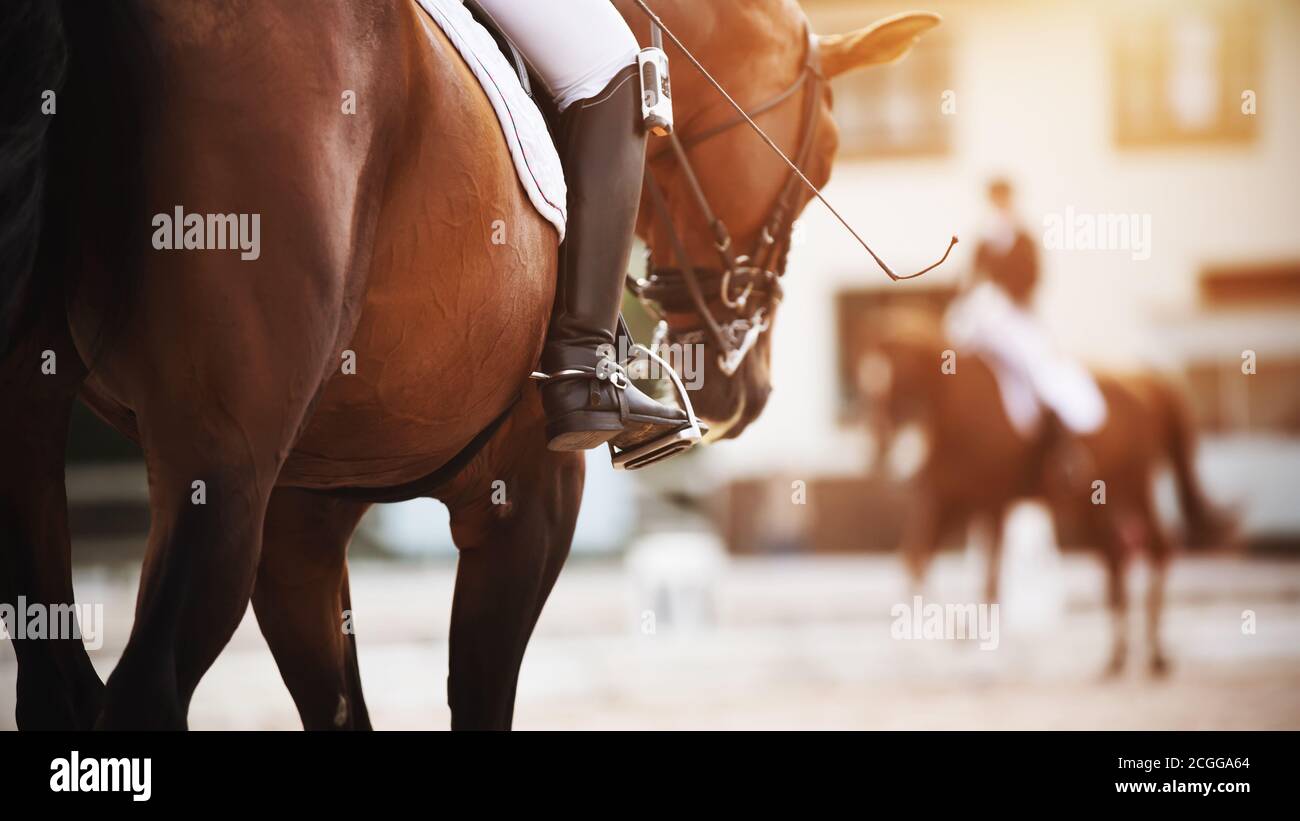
<point>977,465</point>
<point>377,349</point>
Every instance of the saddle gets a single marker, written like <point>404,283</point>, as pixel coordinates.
<point>508,50</point>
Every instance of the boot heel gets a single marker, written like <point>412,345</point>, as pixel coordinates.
<point>581,431</point>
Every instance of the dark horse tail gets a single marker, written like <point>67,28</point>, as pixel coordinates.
<point>1206,526</point>
<point>71,107</point>
<point>32,72</point>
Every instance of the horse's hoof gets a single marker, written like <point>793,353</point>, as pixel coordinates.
<point>1160,666</point>
<point>45,702</point>
<point>1114,668</point>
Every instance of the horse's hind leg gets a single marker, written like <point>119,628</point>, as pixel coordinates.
<point>221,364</point>
<point>301,599</point>
<point>207,499</point>
<point>1117,603</point>
<point>39,378</point>
<point>1115,556</point>
<point>227,350</point>
<point>510,556</point>
<point>216,423</point>
<point>1155,608</point>
<point>1158,555</point>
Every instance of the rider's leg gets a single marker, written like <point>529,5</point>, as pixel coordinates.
<point>586,55</point>
<point>575,47</point>
<point>604,158</point>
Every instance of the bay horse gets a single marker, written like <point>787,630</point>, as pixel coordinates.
<point>379,346</point>
<point>977,465</point>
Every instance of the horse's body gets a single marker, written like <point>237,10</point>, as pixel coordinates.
<point>977,466</point>
<point>263,450</point>
<point>230,372</point>
<point>386,289</point>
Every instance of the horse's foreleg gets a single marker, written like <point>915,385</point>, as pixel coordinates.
<point>918,541</point>
<point>930,518</point>
<point>302,603</point>
<point>511,550</point>
<point>993,569</point>
<point>39,378</point>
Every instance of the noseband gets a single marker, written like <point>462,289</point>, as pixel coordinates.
<point>746,281</point>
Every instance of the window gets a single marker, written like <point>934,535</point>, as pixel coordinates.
<point>1253,297</point>
<point>896,111</point>
<point>1180,77</point>
<point>858,315</point>
<point>1227,401</point>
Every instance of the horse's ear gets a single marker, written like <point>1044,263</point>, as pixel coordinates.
<point>881,42</point>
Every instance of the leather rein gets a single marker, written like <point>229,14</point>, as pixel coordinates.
<point>742,281</point>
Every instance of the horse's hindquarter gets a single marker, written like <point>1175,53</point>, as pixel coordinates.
<point>376,238</point>
<point>241,117</point>
<point>1135,433</point>
<point>458,295</point>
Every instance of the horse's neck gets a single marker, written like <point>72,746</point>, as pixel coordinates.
<point>724,35</point>
<point>727,37</point>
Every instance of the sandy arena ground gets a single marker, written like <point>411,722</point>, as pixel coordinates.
<point>792,643</point>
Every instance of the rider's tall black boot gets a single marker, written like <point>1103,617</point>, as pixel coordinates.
<point>588,399</point>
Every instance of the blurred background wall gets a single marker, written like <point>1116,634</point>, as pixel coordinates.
<point>1098,107</point>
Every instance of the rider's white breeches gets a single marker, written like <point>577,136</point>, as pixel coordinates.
<point>1027,366</point>
<point>575,46</point>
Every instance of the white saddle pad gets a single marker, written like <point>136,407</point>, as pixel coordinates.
<point>1028,369</point>
<point>531,148</point>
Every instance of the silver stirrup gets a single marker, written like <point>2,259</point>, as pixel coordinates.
<point>665,446</point>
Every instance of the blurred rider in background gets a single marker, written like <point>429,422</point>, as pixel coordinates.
<point>1045,393</point>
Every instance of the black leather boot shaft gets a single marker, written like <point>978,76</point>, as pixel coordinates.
<point>603,150</point>
<point>603,153</point>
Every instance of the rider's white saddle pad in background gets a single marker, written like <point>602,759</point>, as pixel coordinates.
<point>1029,371</point>
<point>536,161</point>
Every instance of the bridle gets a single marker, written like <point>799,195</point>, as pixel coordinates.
<point>742,281</point>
